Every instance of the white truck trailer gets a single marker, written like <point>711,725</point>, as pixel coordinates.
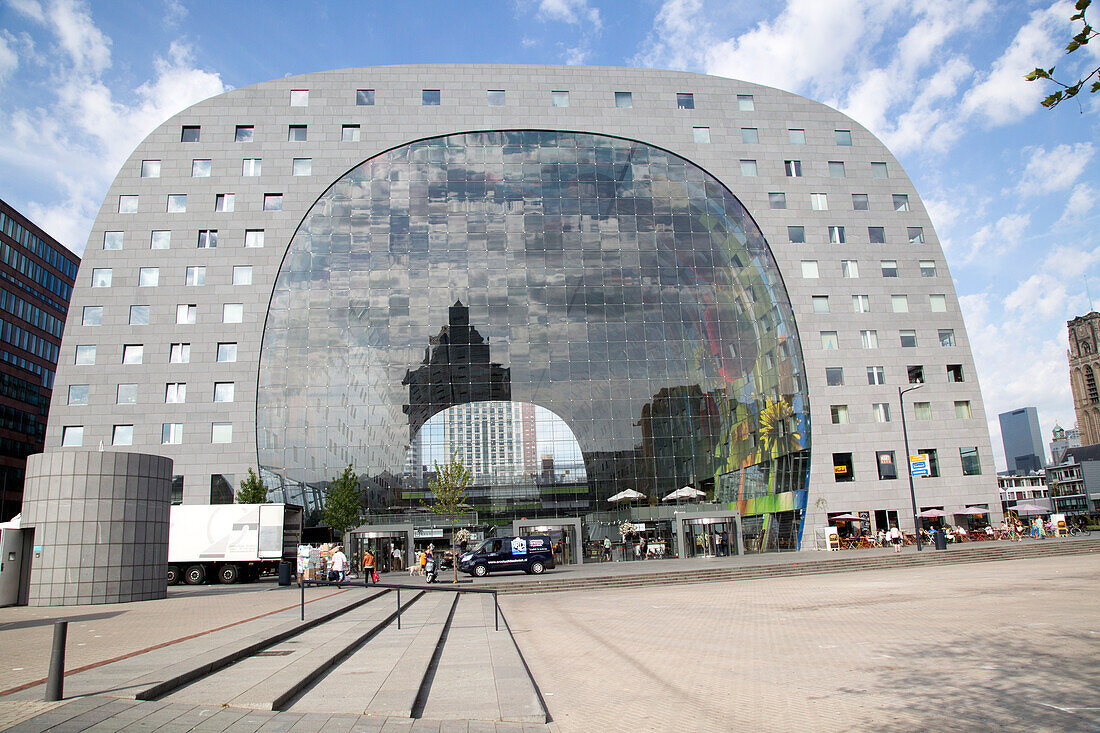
<point>230,542</point>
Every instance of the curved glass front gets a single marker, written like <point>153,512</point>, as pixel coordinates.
<point>618,286</point>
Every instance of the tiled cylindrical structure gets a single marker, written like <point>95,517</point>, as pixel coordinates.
<point>100,527</point>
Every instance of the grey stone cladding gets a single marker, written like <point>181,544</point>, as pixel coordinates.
<point>757,127</point>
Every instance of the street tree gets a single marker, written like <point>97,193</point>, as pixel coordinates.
<point>253,490</point>
<point>449,487</point>
<point>1081,38</point>
<point>343,499</point>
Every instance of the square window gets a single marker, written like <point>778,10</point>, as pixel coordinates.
<point>750,135</point>
<point>175,392</point>
<point>177,203</point>
<point>364,97</point>
<point>349,134</point>
<point>232,313</point>
<point>861,303</point>
<point>148,277</point>
<point>179,354</point>
<point>748,167</point>
<point>223,391</point>
<point>876,235</point>
<point>208,238</point>
<point>194,276</point>
<point>243,133</point>
<point>927,268</point>
<point>809,268</point>
<point>915,372</point>
<point>777,200</point>
<point>836,235</point>
<point>887,467</point>
<point>171,433</point>
<point>889,268</point>
<point>101,277</point>
<point>908,338</point>
<point>834,376</point>
<point>842,467</point>
<point>273,202</point>
<point>221,432</point>
<point>133,353</point>
<point>796,136</point>
<point>962,408</point>
<point>915,234</point>
<point>796,234</point>
<point>860,202</point>
<point>122,435</point>
<point>745,103</point>
<point>112,240</point>
<point>296,133</point>
<point>836,169</point>
<point>685,101</point>
<point>126,394</point>
<point>227,352</point>
<point>72,436</point>
<point>225,202</point>
<point>849,268</point>
<point>186,313</point>
<point>899,303</point>
<point>881,411</point>
<point>150,169</point>
<point>839,414</point>
<point>200,168</point>
<point>922,410</point>
<point>92,315</point>
<point>876,375</point>
<point>299,97</point>
<point>302,166</point>
<point>844,138</point>
<point>254,238</point>
<point>901,202</point>
<point>78,394</point>
<point>820,303</point>
<point>242,274</point>
<point>160,239</point>
<point>702,134</point>
<point>878,170</point>
<point>139,315</point>
<point>559,99</point>
<point>495,97</point>
<point>85,355</point>
<point>793,168</point>
<point>430,97</point>
<point>819,201</point>
<point>127,204</point>
<point>971,465</point>
<point>624,100</point>
<point>869,339</point>
<point>189,134</point>
<point>251,166</point>
<point>947,337</point>
<point>938,303</point>
<point>829,341</point>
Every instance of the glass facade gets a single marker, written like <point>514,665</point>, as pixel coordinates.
<point>611,285</point>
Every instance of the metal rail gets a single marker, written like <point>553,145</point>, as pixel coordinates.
<point>398,587</point>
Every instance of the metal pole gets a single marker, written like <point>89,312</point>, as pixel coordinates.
<point>399,608</point>
<point>56,676</point>
<point>908,466</point>
<point>496,622</point>
<point>302,585</point>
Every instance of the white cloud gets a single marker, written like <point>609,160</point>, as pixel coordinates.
<point>574,12</point>
<point>1080,203</point>
<point>174,12</point>
<point>1040,296</point>
<point>30,8</point>
<point>993,240</point>
<point>576,56</point>
<point>9,59</point>
<point>1054,170</point>
<point>86,46</point>
<point>1067,261</point>
<point>679,37</point>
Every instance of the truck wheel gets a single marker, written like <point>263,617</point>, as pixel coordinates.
<point>537,567</point>
<point>195,575</point>
<point>173,575</point>
<point>228,574</point>
<point>480,570</point>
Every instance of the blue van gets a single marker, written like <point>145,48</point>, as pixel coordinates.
<point>532,554</point>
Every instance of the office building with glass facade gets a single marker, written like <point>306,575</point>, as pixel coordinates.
<point>579,280</point>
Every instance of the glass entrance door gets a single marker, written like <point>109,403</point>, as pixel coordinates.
<point>562,538</point>
<point>382,546</point>
<point>709,537</point>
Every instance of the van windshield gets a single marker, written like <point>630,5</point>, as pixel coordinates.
<point>493,544</point>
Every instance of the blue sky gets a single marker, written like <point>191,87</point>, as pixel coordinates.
<point>1012,188</point>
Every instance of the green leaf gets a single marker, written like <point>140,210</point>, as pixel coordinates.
<point>1083,5</point>
<point>1052,100</point>
<point>1072,46</point>
<point>1095,87</point>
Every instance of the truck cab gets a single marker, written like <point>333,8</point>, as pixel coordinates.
<point>532,554</point>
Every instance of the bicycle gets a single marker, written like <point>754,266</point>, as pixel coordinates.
<point>1076,531</point>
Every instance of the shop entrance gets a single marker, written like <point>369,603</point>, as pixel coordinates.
<point>564,534</point>
<point>710,537</point>
<point>388,547</point>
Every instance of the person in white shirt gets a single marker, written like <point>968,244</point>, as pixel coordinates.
<point>895,537</point>
<point>339,565</point>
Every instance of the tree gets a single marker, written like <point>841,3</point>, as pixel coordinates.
<point>253,490</point>
<point>343,497</point>
<point>449,487</point>
<point>1068,91</point>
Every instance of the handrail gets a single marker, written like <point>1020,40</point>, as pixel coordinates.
<point>398,587</point>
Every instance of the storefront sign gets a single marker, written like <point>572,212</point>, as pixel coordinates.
<point>428,533</point>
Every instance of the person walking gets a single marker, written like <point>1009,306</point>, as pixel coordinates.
<point>895,537</point>
<point>339,565</point>
<point>368,567</point>
<point>607,548</point>
<point>429,564</point>
<point>398,560</point>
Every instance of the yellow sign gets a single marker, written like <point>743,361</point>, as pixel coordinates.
<point>840,469</point>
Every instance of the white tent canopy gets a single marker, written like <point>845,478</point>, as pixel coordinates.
<point>626,495</point>
<point>685,493</point>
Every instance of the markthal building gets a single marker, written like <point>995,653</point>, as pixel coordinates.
<point>616,295</point>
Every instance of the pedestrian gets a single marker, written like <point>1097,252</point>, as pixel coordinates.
<point>339,565</point>
<point>398,560</point>
<point>423,562</point>
<point>645,548</point>
<point>895,537</point>
<point>368,567</point>
<point>429,564</point>
<point>607,548</point>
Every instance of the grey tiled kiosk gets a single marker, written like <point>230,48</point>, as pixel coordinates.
<point>100,522</point>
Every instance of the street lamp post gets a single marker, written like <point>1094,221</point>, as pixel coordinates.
<point>908,466</point>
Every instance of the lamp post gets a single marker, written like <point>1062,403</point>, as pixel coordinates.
<point>908,466</point>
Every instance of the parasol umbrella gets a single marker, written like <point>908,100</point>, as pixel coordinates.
<point>848,516</point>
<point>685,493</point>
<point>1031,508</point>
<point>626,495</point>
<point>973,511</point>
<point>933,514</point>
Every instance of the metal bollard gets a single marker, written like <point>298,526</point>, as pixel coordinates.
<point>399,608</point>
<point>56,677</point>
<point>496,622</point>
<point>302,585</point>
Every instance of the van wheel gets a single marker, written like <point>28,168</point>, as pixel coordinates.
<point>173,575</point>
<point>195,575</point>
<point>537,567</point>
<point>480,570</point>
<point>229,574</point>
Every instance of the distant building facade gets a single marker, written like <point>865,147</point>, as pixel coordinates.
<point>1028,488</point>
<point>1061,441</point>
<point>1075,483</point>
<point>1084,371</point>
<point>1022,440</point>
<point>36,280</point>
